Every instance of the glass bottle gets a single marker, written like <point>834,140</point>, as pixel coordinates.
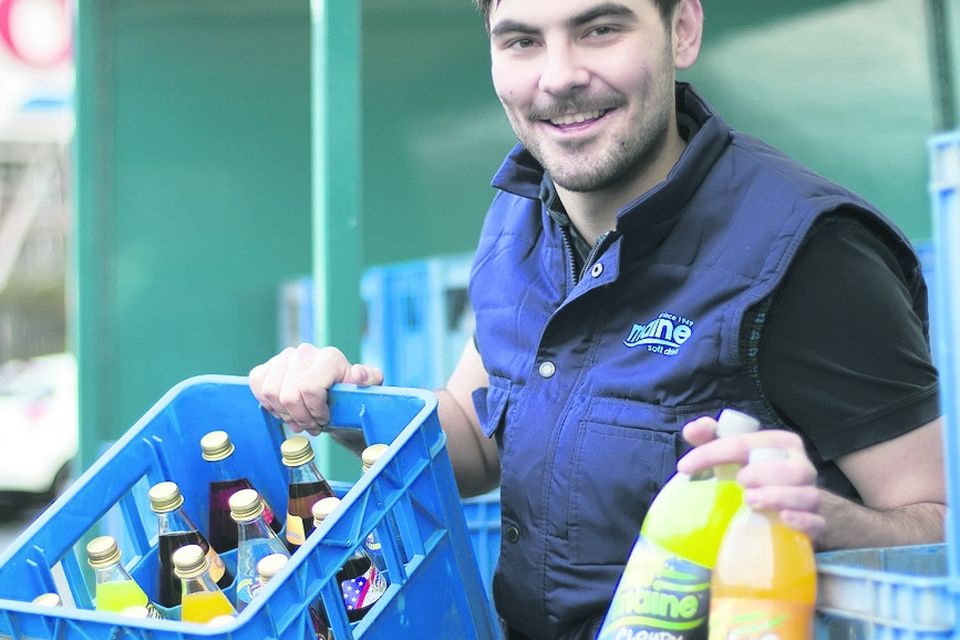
<point>256,540</point>
<point>115,588</point>
<point>201,597</point>
<point>270,566</point>
<point>361,584</point>
<point>306,486</point>
<point>48,600</point>
<point>225,480</point>
<point>369,457</point>
<point>177,530</point>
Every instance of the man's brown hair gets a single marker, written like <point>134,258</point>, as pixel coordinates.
<point>665,7</point>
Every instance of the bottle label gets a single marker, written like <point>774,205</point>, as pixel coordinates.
<point>295,533</point>
<point>759,619</point>
<point>375,551</point>
<point>363,591</point>
<point>245,591</point>
<point>153,612</point>
<point>217,568</point>
<point>661,596</point>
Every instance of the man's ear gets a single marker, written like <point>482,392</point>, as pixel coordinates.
<point>687,33</point>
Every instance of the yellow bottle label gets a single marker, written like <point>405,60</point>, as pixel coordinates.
<point>760,619</point>
<point>295,533</point>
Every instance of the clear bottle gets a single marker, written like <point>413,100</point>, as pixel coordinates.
<point>256,540</point>
<point>176,530</point>
<point>361,584</point>
<point>764,584</point>
<point>115,588</point>
<point>665,586</point>
<point>369,457</point>
<point>270,566</point>
<point>225,480</point>
<point>48,600</point>
<point>201,598</point>
<point>306,486</point>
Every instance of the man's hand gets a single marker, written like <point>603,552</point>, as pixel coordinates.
<point>293,384</point>
<point>788,485</point>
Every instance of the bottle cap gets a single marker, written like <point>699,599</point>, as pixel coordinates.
<point>245,505</point>
<point>732,422</point>
<point>296,451</point>
<point>371,454</point>
<point>165,497</point>
<point>48,600</point>
<point>767,453</point>
<point>103,552</point>
<point>136,611</point>
<point>270,565</point>
<point>189,561</point>
<point>323,508</point>
<point>215,446</point>
<point>221,621</point>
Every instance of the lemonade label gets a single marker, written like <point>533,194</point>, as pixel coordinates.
<point>660,597</point>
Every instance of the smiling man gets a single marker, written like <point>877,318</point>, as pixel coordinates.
<point>643,266</point>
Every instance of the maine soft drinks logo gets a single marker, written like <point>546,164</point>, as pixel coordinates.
<point>665,334</point>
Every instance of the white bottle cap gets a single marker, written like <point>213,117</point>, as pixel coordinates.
<point>767,453</point>
<point>732,422</point>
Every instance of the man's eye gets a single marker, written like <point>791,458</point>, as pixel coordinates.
<point>520,43</point>
<point>601,30</point>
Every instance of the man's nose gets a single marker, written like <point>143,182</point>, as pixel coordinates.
<point>564,71</point>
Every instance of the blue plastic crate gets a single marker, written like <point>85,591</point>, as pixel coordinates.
<point>483,522</point>
<point>437,593</point>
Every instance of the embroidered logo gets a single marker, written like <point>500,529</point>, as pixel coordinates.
<point>665,334</point>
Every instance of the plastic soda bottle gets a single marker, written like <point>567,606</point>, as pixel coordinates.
<point>306,486</point>
<point>225,480</point>
<point>665,587</point>
<point>201,597</point>
<point>256,540</point>
<point>116,589</point>
<point>360,583</point>
<point>177,530</point>
<point>370,456</point>
<point>270,566</point>
<point>764,584</point>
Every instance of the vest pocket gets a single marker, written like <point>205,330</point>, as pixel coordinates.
<point>621,460</point>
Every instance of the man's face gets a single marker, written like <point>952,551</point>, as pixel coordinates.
<point>587,85</point>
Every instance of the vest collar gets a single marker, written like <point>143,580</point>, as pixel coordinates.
<point>654,211</point>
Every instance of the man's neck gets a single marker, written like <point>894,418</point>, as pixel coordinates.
<point>594,213</point>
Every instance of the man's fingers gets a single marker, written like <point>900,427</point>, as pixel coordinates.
<point>795,470</point>
<point>812,524</point>
<point>272,381</point>
<point>364,375</point>
<point>779,498</point>
<point>700,431</point>
<point>736,449</point>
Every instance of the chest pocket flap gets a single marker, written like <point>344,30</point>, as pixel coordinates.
<point>491,404</point>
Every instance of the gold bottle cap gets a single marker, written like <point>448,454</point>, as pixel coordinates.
<point>189,561</point>
<point>371,454</point>
<point>323,508</point>
<point>136,611</point>
<point>296,451</point>
<point>245,505</point>
<point>221,621</point>
<point>48,600</point>
<point>216,445</point>
<point>165,497</point>
<point>271,565</point>
<point>103,552</point>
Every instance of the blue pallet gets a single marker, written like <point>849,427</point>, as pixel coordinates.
<point>437,593</point>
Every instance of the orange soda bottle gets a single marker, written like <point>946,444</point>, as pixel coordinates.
<point>764,585</point>
<point>202,600</point>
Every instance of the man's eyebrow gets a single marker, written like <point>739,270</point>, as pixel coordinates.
<point>511,26</point>
<point>605,10</point>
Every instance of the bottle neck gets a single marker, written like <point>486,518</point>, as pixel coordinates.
<point>175,521</point>
<point>200,584</point>
<point>223,471</point>
<point>256,528</point>
<point>113,573</point>
<point>305,473</point>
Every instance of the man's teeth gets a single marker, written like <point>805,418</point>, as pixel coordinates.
<point>574,118</point>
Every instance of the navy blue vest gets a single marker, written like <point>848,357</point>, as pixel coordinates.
<point>591,382</point>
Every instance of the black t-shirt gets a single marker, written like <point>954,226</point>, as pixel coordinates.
<point>842,355</point>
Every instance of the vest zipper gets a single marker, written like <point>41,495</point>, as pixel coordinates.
<point>568,245</point>
<point>598,248</point>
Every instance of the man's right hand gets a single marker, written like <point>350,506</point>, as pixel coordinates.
<point>293,384</point>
